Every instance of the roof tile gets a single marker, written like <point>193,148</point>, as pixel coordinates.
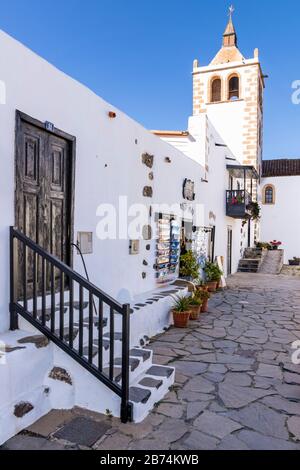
<point>283,167</point>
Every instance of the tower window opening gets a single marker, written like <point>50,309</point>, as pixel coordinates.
<point>216,90</point>
<point>234,89</point>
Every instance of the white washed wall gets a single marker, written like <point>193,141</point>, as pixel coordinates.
<point>281,221</point>
<point>108,164</point>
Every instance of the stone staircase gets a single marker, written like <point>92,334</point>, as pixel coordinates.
<point>251,261</point>
<point>149,382</point>
<point>272,262</point>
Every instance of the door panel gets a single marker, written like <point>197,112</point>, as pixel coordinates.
<point>43,195</point>
<point>229,251</point>
<point>58,200</point>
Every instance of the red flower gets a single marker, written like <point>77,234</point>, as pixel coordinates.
<point>275,243</point>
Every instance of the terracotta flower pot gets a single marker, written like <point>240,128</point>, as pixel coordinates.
<point>202,288</point>
<point>204,307</point>
<point>195,312</point>
<point>212,286</point>
<point>181,319</point>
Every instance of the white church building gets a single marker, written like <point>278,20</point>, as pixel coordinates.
<point>280,192</point>
<point>225,134</point>
<point>79,177</point>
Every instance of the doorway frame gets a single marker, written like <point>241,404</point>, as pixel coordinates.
<point>23,117</point>
<point>229,246</point>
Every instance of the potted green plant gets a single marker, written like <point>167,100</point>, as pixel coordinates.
<point>294,262</point>
<point>201,285</point>
<point>181,312</point>
<point>263,246</point>
<point>195,307</point>
<point>203,296</point>
<point>189,267</point>
<point>213,276</point>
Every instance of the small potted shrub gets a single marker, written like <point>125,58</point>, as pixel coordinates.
<point>294,262</point>
<point>189,267</point>
<point>181,312</point>
<point>203,296</point>
<point>263,246</point>
<point>195,307</point>
<point>213,276</point>
<point>201,285</point>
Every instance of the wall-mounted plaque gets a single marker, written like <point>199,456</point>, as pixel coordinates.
<point>134,247</point>
<point>85,242</point>
<point>189,190</point>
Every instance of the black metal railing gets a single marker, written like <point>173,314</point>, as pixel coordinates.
<point>237,203</point>
<point>38,278</point>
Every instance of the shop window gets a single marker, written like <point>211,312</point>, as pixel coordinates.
<point>168,249</point>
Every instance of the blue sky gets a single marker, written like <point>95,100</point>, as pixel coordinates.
<point>138,54</point>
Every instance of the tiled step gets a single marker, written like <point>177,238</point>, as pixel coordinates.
<point>150,389</point>
<point>139,363</point>
<point>141,353</point>
<point>160,371</point>
<point>133,363</point>
<point>148,382</point>
<point>76,305</point>
<point>139,395</point>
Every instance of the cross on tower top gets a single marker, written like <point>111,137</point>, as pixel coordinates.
<point>231,11</point>
<point>229,36</point>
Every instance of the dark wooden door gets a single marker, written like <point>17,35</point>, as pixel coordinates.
<point>43,193</point>
<point>229,251</point>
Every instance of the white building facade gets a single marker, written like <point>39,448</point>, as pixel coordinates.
<point>225,135</point>
<point>280,191</point>
<point>75,170</point>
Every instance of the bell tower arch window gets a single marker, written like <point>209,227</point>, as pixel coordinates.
<point>216,90</point>
<point>234,88</point>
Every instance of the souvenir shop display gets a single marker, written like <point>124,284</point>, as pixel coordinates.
<point>168,249</point>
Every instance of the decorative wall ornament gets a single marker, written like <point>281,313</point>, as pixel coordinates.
<point>148,160</point>
<point>212,215</point>
<point>147,232</point>
<point>189,190</point>
<point>145,263</point>
<point>148,247</point>
<point>134,247</point>
<point>148,191</point>
<point>144,275</point>
<point>57,373</point>
<point>186,207</point>
<point>22,409</point>
<point>151,176</point>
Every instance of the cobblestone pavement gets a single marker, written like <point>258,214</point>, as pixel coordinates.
<point>236,386</point>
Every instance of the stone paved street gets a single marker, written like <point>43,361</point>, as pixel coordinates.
<point>236,386</point>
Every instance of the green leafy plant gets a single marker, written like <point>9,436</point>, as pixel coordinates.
<point>181,304</point>
<point>263,245</point>
<point>255,210</point>
<point>195,301</point>
<point>202,295</point>
<point>212,272</point>
<point>199,282</point>
<point>189,265</point>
